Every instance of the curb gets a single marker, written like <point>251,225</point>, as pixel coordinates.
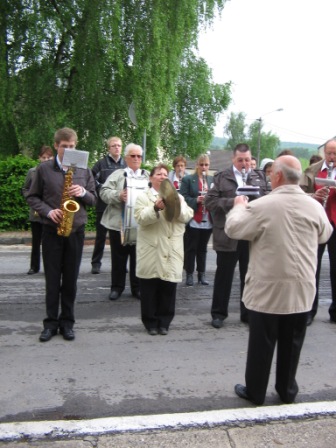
<point>100,426</point>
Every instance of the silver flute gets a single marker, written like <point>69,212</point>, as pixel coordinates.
<point>244,177</point>
<point>329,176</point>
<point>179,179</point>
<point>203,193</point>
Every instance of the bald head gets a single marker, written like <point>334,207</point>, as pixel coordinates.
<point>286,170</point>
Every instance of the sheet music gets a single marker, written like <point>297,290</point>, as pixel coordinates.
<point>76,158</point>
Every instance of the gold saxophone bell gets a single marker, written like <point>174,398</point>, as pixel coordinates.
<point>70,207</point>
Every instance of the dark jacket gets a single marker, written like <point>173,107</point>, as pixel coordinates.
<point>45,193</point>
<point>101,171</point>
<point>219,201</point>
<point>33,216</point>
<point>190,189</point>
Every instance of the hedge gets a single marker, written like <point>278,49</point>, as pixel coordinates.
<point>14,210</point>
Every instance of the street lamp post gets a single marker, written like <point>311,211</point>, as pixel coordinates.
<point>259,131</point>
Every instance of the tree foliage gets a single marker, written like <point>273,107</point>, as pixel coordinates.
<point>81,63</point>
<point>201,101</point>
<point>238,132</point>
<point>235,129</point>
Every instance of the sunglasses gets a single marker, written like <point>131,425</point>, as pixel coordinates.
<point>135,156</point>
<point>204,164</point>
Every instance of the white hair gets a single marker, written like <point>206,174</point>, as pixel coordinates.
<point>132,146</point>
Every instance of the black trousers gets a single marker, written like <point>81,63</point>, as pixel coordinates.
<point>62,258</point>
<point>288,331</point>
<point>226,264</point>
<point>119,257</point>
<point>99,246</point>
<point>332,264</point>
<point>195,247</point>
<point>158,299</point>
<point>35,257</point>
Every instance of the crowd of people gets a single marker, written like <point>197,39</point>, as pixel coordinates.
<point>160,222</point>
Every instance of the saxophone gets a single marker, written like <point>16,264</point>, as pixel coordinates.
<point>68,206</point>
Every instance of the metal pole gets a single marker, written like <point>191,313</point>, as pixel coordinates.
<point>259,131</point>
<point>259,142</point>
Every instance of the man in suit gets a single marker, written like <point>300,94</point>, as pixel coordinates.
<point>219,202</point>
<point>325,196</point>
<point>101,171</point>
<point>284,229</point>
<point>61,255</point>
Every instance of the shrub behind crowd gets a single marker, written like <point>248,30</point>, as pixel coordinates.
<point>14,210</point>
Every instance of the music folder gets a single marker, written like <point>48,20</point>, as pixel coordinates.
<point>75,158</point>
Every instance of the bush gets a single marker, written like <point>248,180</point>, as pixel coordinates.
<point>14,210</point>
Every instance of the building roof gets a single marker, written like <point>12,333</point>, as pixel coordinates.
<point>219,160</point>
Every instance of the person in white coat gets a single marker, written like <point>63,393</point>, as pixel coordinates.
<point>284,229</point>
<point>159,252</point>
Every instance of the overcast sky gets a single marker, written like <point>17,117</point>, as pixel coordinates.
<point>278,54</point>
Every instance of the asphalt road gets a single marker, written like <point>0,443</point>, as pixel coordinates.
<point>114,368</point>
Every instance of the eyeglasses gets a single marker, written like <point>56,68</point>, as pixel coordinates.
<point>203,164</point>
<point>135,156</point>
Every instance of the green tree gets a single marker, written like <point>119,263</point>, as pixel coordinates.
<point>235,130</point>
<point>201,100</point>
<point>269,143</point>
<point>81,63</point>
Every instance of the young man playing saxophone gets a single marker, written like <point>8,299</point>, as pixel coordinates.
<point>61,255</point>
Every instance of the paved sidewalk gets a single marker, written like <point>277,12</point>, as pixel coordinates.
<point>106,389</point>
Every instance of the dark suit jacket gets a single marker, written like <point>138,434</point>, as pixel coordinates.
<point>219,201</point>
<point>190,190</point>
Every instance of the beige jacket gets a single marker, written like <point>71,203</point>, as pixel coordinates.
<point>159,247</point>
<point>284,229</point>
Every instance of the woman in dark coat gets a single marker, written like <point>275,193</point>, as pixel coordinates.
<point>198,230</point>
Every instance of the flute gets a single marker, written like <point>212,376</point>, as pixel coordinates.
<point>329,176</point>
<point>179,179</point>
<point>203,193</point>
<point>243,173</point>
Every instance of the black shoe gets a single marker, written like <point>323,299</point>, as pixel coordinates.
<point>152,331</point>
<point>95,269</point>
<point>68,334</point>
<point>47,334</point>
<point>201,279</point>
<point>310,319</point>
<point>190,280</point>
<point>32,272</point>
<point>136,294</point>
<point>114,295</point>
<point>217,323</point>
<point>241,391</point>
<point>163,331</point>
<point>244,319</point>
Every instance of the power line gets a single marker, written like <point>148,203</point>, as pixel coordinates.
<point>324,139</point>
